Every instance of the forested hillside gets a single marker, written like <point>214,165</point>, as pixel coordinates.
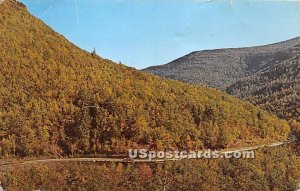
<point>222,67</point>
<point>56,99</point>
<point>267,76</point>
<point>276,88</point>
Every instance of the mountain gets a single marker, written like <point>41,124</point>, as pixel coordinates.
<point>275,88</point>
<point>56,99</point>
<point>267,76</point>
<point>222,67</point>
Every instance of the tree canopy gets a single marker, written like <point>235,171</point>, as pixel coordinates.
<point>56,99</point>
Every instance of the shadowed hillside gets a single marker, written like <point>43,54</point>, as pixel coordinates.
<point>267,76</point>
<point>222,67</point>
<point>275,88</point>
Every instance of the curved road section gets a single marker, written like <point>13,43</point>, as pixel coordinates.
<point>128,160</point>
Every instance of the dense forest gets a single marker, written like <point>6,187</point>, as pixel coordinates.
<point>267,76</point>
<point>275,169</point>
<point>276,88</point>
<point>58,100</point>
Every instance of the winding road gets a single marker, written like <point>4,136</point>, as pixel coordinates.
<point>125,159</point>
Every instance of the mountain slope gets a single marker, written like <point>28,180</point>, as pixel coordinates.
<point>267,76</point>
<point>275,88</point>
<point>58,99</point>
<point>222,67</point>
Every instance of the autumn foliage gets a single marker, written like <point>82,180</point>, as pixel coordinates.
<point>56,99</point>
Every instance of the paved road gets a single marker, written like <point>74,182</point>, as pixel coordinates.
<point>125,160</point>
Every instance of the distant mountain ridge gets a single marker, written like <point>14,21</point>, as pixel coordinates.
<point>245,72</point>
<point>220,68</point>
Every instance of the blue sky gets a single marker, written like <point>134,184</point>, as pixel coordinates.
<point>141,33</point>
